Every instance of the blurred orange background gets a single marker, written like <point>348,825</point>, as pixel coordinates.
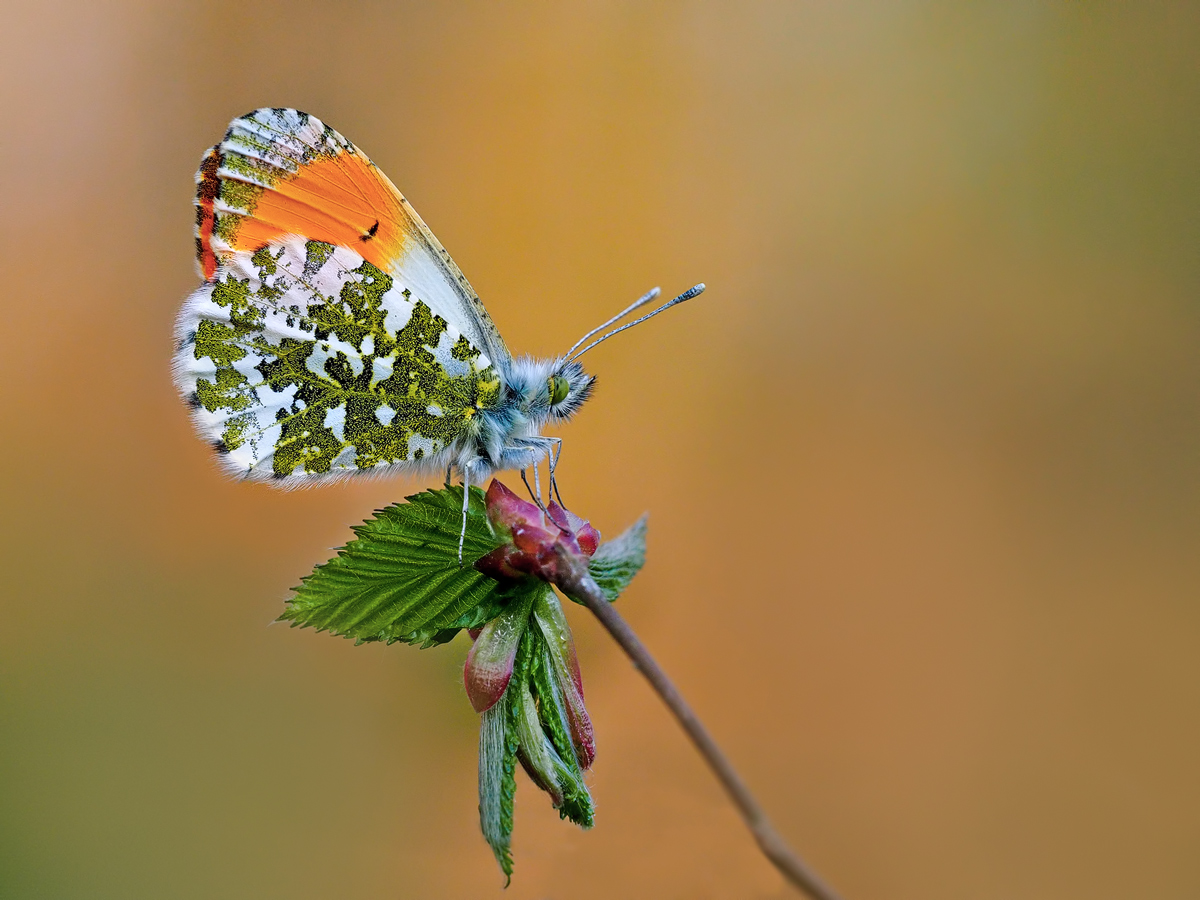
<point>923,464</point>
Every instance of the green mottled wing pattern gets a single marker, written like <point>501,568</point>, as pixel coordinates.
<point>304,361</point>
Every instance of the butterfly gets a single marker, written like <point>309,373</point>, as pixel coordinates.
<point>333,335</point>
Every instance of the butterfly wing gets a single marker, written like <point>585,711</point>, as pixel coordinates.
<point>283,172</point>
<point>332,333</point>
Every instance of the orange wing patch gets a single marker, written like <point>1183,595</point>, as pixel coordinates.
<point>340,200</point>
<point>277,175</point>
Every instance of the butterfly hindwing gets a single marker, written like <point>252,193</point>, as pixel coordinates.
<point>305,361</point>
<point>332,334</point>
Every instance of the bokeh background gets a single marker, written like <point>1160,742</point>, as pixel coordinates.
<point>923,464</point>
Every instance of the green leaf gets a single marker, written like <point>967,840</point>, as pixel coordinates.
<point>497,784</point>
<point>576,804</point>
<point>618,560</point>
<point>499,741</point>
<point>400,579</point>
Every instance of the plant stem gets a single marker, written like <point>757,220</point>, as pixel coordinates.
<point>576,583</point>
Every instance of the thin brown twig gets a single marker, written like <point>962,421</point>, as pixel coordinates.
<point>577,584</point>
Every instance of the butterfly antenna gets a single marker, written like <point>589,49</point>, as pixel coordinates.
<point>639,302</point>
<point>686,295</point>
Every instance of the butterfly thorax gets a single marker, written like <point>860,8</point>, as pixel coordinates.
<point>536,392</point>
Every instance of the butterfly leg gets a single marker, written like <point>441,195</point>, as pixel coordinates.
<point>535,492</point>
<point>555,455</point>
<point>532,496</point>
<point>462,535</point>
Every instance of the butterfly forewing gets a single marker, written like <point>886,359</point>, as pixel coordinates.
<point>283,172</point>
<point>332,333</point>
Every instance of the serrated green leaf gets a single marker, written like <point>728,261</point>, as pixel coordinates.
<point>400,579</point>
<point>499,741</point>
<point>618,560</point>
<point>576,804</point>
<point>494,784</point>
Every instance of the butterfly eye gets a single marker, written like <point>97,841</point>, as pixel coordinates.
<point>559,388</point>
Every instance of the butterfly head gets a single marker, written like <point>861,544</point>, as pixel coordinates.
<point>566,389</point>
<point>552,389</point>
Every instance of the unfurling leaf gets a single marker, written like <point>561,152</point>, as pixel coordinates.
<point>560,655</point>
<point>499,741</point>
<point>618,560</point>
<point>490,661</point>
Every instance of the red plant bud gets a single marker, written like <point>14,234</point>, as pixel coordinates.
<point>587,536</point>
<point>490,660</point>
<point>509,514</point>
<point>536,540</point>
